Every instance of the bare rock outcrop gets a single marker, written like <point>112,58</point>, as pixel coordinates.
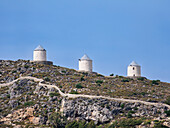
<point>22,115</point>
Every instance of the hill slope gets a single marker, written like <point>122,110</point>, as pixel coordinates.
<point>36,103</point>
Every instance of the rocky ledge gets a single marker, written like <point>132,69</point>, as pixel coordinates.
<point>103,110</point>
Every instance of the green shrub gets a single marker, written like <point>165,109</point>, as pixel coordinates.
<point>135,108</point>
<point>122,106</point>
<point>47,79</point>
<point>129,115</point>
<point>108,106</point>
<point>168,113</point>
<point>79,86</point>
<point>99,81</point>
<point>90,125</point>
<point>126,123</point>
<point>129,122</point>
<point>63,71</point>
<point>135,93</point>
<point>29,103</point>
<point>54,94</point>
<point>82,78</point>
<point>8,96</point>
<point>100,75</point>
<point>132,112</point>
<point>6,126</point>
<point>73,124</point>
<point>26,66</point>
<point>147,122</point>
<point>14,71</point>
<point>155,82</point>
<point>168,100</point>
<point>156,121</point>
<point>112,74</point>
<point>141,78</point>
<point>85,73</point>
<point>73,92</point>
<point>125,80</point>
<point>57,121</point>
<point>143,93</point>
<point>158,124</point>
<point>80,124</point>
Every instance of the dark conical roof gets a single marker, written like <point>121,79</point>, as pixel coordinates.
<point>134,64</point>
<point>39,48</point>
<point>85,57</point>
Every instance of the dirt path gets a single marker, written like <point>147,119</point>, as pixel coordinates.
<point>82,95</point>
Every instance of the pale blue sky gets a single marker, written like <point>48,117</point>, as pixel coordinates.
<point>112,32</point>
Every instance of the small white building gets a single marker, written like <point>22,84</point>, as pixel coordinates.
<point>39,56</point>
<point>85,64</point>
<point>134,70</point>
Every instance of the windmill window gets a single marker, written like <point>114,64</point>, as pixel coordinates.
<point>133,68</point>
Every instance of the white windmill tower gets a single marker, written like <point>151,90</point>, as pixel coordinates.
<point>85,64</point>
<point>134,70</point>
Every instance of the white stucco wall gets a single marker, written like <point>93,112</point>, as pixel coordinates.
<point>85,65</point>
<point>134,71</point>
<point>39,56</point>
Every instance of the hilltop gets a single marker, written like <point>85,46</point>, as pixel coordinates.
<point>27,102</point>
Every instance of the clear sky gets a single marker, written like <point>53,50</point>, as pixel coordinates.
<point>111,32</point>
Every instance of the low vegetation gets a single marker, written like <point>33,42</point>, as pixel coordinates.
<point>79,86</point>
<point>24,94</point>
<point>91,83</point>
<point>30,103</point>
<point>99,81</point>
<point>167,101</point>
<point>129,123</point>
<point>74,92</point>
<point>54,94</point>
<point>155,82</point>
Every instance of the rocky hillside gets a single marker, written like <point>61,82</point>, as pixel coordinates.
<point>26,103</point>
